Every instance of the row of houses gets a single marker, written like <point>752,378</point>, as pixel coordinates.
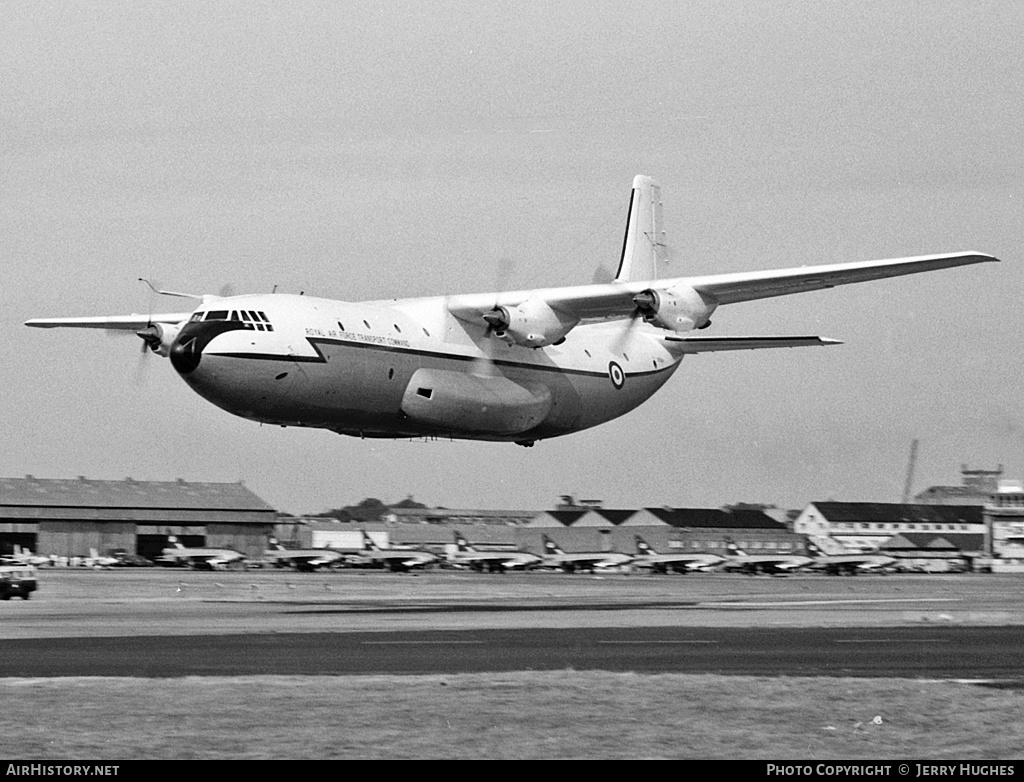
<point>71,517</point>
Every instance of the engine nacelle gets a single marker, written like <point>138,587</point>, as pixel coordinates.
<point>160,336</point>
<point>532,324</point>
<point>679,308</point>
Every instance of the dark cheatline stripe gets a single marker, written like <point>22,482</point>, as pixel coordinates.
<point>319,358</point>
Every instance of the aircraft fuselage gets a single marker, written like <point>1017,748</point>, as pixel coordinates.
<point>408,368</point>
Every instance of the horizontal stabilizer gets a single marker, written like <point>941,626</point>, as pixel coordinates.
<point>712,344</point>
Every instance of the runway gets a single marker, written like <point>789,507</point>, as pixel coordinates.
<point>989,653</point>
<point>181,623</point>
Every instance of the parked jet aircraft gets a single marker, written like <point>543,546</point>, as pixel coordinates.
<point>198,558</point>
<point>492,561</point>
<point>842,564</point>
<point>399,560</point>
<point>24,556</point>
<point>95,560</point>
<point>305,559</point>
<point>647,557</point>
<point>775,564</point>
<point>507,366</point>
<point>590,560</point>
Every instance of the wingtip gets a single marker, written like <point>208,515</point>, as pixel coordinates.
<point>979,257</point>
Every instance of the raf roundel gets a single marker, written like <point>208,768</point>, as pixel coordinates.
<point>615,373</point>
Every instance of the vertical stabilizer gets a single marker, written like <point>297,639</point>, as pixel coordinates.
<point>643,248</point>
<point>550,547</point>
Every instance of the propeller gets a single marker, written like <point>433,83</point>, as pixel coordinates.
<point>496,319</point>
<point>149,336</point>
<point>645,304</point>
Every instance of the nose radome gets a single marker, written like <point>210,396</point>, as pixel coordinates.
<point>187,350</point>
<point>185,354</point>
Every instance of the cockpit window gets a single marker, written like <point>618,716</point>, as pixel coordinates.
<point>217,315</point>
<point>196,317</point>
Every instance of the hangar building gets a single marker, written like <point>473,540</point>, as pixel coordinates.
<point>687,530</point>
<point>68,517</point>
<point>864,526</point>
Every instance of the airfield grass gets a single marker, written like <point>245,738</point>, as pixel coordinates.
<point>550,715</point>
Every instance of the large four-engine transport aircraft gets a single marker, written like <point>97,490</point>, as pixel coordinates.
<point>517,366</point>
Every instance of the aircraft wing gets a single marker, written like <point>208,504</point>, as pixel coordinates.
<point>113,322</point>
<point>747,286</point>
<point>615,299</point>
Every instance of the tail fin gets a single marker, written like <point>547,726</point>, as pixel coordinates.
<point>825,546</point>
<point>461,543</point>
<point>643,249</point>
<point>550,547</point>
<point>641,546</point>
<point>174,542</point>
<point>368,542</point>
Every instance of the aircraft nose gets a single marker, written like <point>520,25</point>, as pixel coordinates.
<point>187,350</point>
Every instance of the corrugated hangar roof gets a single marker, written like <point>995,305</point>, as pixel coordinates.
<point>566,517</point>
<point>892,512</point>
<point>615,517</point>
<point>716,518</point>
<point>934,541</point>
<point>83,492</point>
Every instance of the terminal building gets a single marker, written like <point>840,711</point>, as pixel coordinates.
<point>70,517</point>
<point>976,486</point>
<point>1004,518</point>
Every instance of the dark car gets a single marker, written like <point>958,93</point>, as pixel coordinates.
<point>17,581</point>
<point>125,559</point>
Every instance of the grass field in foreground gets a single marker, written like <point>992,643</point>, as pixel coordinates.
<point>553,714</point>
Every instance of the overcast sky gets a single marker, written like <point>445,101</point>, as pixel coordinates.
<point>360,150</point>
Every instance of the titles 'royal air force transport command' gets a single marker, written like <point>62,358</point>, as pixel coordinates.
<point>516,366</point>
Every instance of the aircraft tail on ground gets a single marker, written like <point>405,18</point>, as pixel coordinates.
<point>734,550</point>
<point>643,248</point>
<point>550,547</point>
<point>822,546</point>
<point>642,546</point>
<point>368,542</point>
